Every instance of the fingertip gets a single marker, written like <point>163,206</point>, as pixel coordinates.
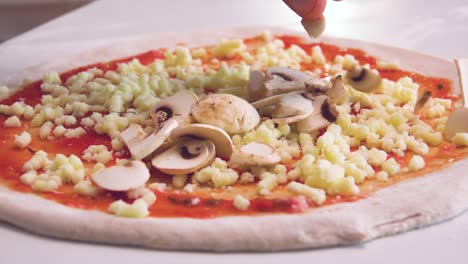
<point>308,9</point>
<point>317,10</point>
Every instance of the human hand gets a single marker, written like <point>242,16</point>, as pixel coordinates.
<point>307,9</point>
<point>311,12</point>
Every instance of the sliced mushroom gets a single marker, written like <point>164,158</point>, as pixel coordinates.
<point>142,145</point>
<point>123,177</point>
<point>288,75</point>
<point>329,111</point>
<point>278,80</point>
<point>314,27</point>
<point>323,115</point>
<point>177,106</point>
<point>287,108</point>
<point>167,115</point>
<point>284,80</point>
<point>457,120</point>
<point>187,156</point>
<point>254,154</point>
<point>456,123</point>
<point>292,104</point>
<point>256,84</point>
<point>221,140</point>
<point>363,79</point>
<point>228,112</point>
<point>336,93</point>
<point>268,101</point>
<point>316,86</point>
<point>422,100</point>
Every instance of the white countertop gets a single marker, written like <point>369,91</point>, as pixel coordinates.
<point>435,27</point>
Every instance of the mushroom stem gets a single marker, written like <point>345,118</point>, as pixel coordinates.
<point>123,177</point>
<point>142,145</point>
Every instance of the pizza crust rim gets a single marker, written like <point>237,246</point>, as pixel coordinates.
<point>392,210</point>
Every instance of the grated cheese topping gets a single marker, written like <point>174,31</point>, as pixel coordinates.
<point>371,127</point>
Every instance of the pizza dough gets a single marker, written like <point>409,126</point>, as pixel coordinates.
<point>404,206</point>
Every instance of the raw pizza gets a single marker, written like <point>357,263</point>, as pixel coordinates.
<point>253,141</point>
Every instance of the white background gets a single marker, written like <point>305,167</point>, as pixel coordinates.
<point>435,27</point>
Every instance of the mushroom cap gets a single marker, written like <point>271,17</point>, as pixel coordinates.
<point>315,120</point>
<point>314,27</point>
<point>456,123</point>
<point>142,145</point>
<point>187,156</point>
<point>220,138</point>
<point>228,112</point>
<point>254,154</point>
<point>363,79</point>
<point>124,177</point>
<point>178,106</point>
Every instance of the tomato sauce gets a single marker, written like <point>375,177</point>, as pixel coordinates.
<point>177,203</point>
